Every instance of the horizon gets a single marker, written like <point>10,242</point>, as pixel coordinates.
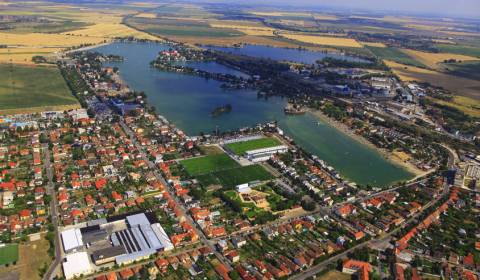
<point>463,8</point>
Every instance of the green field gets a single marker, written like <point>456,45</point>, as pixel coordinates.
<point>232,177</point>
<point>24,87</point>
<point>8,254</point>
<point>469,69</point>
<point>459,49</point>
<point>208,164</point>
<point>167,28</point>
<point>57,26</point>
<point>394,54</point>
<point>240,148</point>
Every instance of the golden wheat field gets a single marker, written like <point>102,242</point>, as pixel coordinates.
<point>146,15</point>
<point>24,55</point>
<point>111,30</point>
<point>324,40</point>
<point>457,85</point>
<point>46,40</point>
<point>432,60</point>
<point>245,27</point>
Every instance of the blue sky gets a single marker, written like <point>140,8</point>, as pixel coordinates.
<point>470,8</point>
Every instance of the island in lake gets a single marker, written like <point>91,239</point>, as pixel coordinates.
<point>220,110</point>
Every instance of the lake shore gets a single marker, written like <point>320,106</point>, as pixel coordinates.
<point>416,172</point>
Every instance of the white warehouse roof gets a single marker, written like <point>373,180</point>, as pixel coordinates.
<point>76,264</point>
<point>71,238</point>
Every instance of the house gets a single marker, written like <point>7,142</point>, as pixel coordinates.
<point>346,210</point>
<point>239,242</point>
<point>233,256</point>
<point>361,269</point>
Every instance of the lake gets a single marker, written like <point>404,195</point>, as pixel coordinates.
<point>295,55</point>
<point>188,101</point>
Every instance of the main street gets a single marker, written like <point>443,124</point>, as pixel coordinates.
<point>170,190</point>
<point>51,272</point>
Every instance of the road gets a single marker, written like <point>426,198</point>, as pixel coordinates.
<point>314,270</point>
<point>182,209</point>
<point>51,272</point>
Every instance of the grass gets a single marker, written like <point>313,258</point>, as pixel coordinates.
<point>324,40</point>
<point>394,54</point>
<point>23,87</point>
<point>467,105</point>
<point>33,256</point>
<point>470,69</point>
<point>240,148</point>
<point>459,49</point>
<point>208,164</point>
<point>181,28</point>
<point>8,254</point>
<point>47,27</point>
<point>433,60</point>
<point>236,176</point>
<point>335,275</point>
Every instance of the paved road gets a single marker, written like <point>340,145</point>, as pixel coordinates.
<point>51,272</point>
<point>189,219</point>
<point>314,270</point>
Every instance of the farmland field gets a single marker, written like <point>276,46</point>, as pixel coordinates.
<point>394,54</point>
<point>457,85</point>
<point>8,254</point>
<point>27,88</point>
<point>46,40</point>
<point>432,60</point>
<point>324,40</point>
<point>111,30</point>
<point>469,69</point>
<point>459,49</point>
<point>173,27</point>
<point>236,176</point>
<point>240,148</point>
<point>207,164</point>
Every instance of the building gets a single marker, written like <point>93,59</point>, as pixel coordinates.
<point>361,269</point>
<point>76,265</point>
<point>265,154</point>
<point>121,239</point>
<point>71,240</point>
<point>243,188</point>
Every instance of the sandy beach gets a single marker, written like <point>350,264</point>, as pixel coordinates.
<point>386,154</point>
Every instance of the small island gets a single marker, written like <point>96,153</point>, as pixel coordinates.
<point>220,110</point>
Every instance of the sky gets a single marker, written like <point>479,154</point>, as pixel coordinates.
<point>464,8</point>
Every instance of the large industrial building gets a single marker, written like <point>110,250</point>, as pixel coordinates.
<point>121,239</point>
<point>265,153</point>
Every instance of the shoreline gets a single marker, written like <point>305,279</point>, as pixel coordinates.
<point>416,172</point>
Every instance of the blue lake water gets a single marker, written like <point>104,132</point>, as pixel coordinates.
<point>188,101</point>
<point>295,55</point>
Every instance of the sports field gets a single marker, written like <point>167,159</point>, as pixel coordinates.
<point>8,254</point>
<point>232,177</point>
<point>208,164</point>
<point>33,88</point>
<point>240,148</point>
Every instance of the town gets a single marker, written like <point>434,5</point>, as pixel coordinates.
<point>121,192</point>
